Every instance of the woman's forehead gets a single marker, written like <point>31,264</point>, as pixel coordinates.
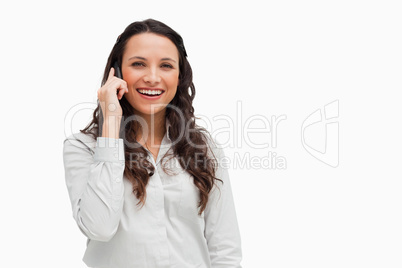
<point>148,45</point>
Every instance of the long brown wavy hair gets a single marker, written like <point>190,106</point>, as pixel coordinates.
<point>191,142</point>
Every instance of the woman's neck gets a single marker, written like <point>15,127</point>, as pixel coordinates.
<point>154,129</point>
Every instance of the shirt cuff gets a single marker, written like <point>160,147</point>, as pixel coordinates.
<point>109,150</point>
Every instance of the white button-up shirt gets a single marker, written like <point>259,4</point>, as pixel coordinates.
<point>167,231</point>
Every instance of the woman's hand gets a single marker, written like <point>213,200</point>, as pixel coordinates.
<point>109,95</point>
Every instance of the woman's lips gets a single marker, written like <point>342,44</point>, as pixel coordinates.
<point>150,93</point>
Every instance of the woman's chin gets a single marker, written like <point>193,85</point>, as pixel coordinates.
<point>153,109</point>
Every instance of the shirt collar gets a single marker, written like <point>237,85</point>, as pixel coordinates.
<point>165,145</point>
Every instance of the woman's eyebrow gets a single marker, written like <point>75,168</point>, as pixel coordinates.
<point>144,59</point>
<point>168,59</point>
<point>137,57</point>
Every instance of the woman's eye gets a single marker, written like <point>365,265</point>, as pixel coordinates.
<point>137,64</point>
<point>166,65</point>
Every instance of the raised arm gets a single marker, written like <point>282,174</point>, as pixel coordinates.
<point>94,178</point>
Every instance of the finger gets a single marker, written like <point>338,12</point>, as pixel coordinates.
<point>116,83</point>
<point>121,91</point>
<point>120,94</point>
<point>111,73</point>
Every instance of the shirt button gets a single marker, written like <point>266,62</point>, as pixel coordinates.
<point>116,155</point>
<point>118,180</point>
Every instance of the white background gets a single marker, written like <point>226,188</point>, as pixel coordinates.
<point>275,58</point>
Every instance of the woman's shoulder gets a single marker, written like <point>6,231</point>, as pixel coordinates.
<point>215,148</point>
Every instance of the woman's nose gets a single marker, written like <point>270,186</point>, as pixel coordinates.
<point>152,76</point>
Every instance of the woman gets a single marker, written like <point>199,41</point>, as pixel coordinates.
<point>144,180</point>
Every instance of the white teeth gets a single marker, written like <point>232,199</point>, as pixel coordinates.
<point>150,92</point>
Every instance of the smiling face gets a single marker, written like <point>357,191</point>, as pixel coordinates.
<point>150,66</point>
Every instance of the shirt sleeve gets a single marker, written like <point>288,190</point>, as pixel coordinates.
<point>221,226</point>
<point>94,180</point>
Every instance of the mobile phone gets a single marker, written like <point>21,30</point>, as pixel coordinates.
<point>117,71</point>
